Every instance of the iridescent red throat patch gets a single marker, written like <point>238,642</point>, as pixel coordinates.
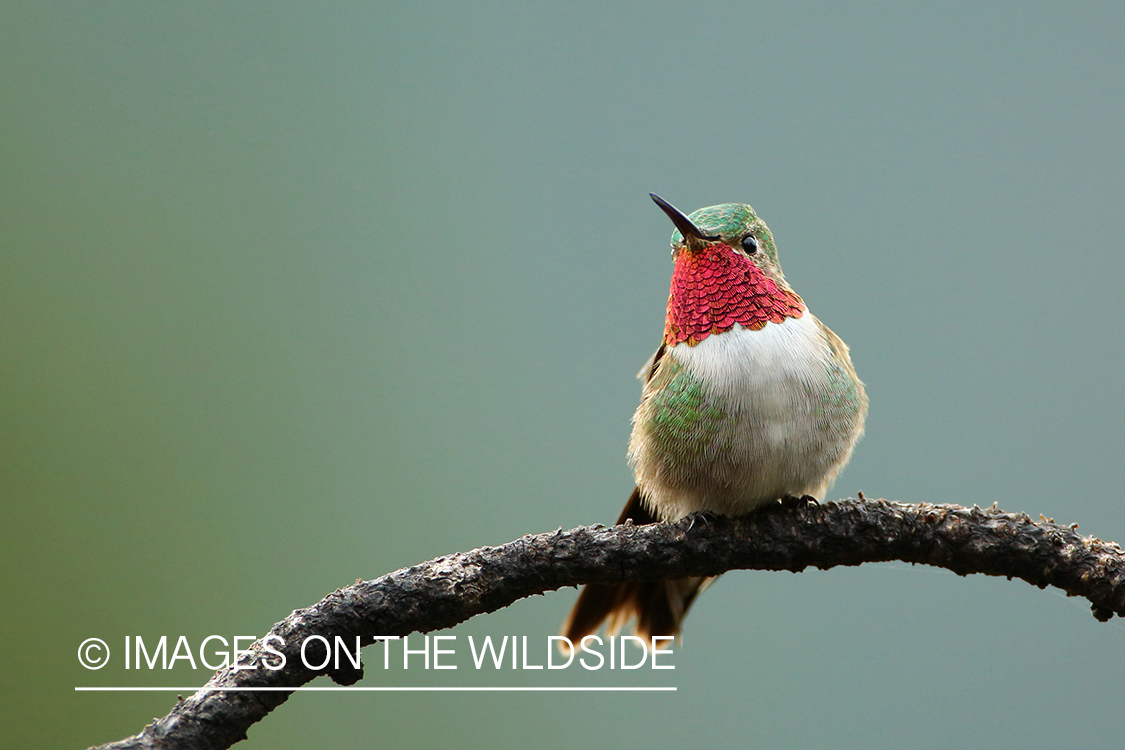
<point>714,289</point>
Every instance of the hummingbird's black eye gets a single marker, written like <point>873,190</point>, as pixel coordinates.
<point>750,244</point>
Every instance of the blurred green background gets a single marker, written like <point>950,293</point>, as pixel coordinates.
<point>293,294</point>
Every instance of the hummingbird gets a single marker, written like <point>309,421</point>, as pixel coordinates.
<point>749,400</point>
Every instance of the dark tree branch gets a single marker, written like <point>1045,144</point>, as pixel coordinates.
<point>448,590</point>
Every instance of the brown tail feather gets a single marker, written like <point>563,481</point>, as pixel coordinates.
<point>658,606</point>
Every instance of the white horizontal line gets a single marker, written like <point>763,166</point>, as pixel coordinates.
<point>341,689</point>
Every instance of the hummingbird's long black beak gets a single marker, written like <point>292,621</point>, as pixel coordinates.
<point>682,222</point>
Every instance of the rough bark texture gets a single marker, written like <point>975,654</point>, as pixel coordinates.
<point>448,590</point>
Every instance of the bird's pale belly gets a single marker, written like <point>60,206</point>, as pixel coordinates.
<point>743,420</point>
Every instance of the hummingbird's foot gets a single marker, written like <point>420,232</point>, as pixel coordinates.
<point>705,517</point>
<point>792,501</point>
